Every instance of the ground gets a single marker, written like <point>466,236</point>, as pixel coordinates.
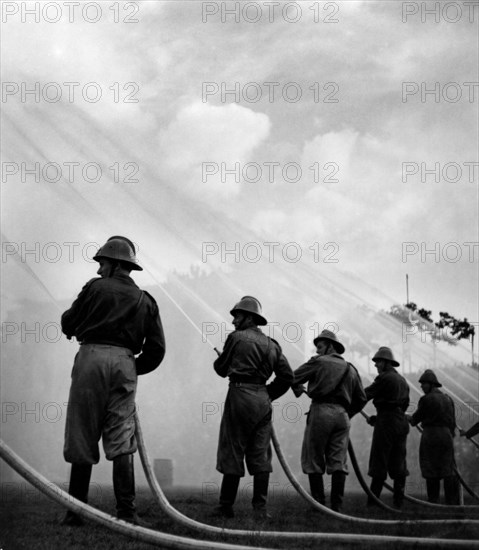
<point>31,521</point>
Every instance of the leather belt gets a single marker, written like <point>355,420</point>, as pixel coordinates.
<point>239,379</point>
<point>389,409</point>
<point>104,343</point>
<point>331,401</point>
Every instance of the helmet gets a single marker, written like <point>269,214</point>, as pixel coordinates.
<point>330,337</point>
<point>249,304</point>
<point>126,239</point>
<point>429,377</point>
<point>387,354</point>
<point>119,249</point>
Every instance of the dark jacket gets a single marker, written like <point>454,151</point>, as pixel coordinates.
<point>250,353</point>
<point>332,380</point>
<point>436,413</point>
<point>389,391</point>
<point>116,312</point>
<point>435,409</point>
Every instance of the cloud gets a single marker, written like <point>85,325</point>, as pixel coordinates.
<point>332,147</point>
<point>204,141</point>
<point>370,212</point>
<point>368,133</point>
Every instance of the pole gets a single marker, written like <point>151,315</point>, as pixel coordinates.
<point>407,288</point>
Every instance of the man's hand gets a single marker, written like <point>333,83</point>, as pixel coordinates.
<point>372,420</point>
<point>298,390</point>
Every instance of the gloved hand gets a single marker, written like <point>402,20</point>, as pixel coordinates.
<point>298,390</point>
<point>372,420</point>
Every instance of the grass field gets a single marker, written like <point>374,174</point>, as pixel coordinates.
<point>29,520</point>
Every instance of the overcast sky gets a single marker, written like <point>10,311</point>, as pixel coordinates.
<point>345,101</point>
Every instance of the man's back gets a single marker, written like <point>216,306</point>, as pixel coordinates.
<point>115,311</point>
<point>436,409</point>
<point>389,390</point>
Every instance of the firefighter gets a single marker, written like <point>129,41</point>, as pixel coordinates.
<point>390,395</point>
<point>113,320</point>
<point>436,413</point>
<point>337,394</point>
<point>249,359</point>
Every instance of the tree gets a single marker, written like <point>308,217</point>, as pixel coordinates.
<point>424,321</point>
<point>459,329</point>
<point>422,318</point>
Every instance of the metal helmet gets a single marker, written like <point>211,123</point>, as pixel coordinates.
<point>119,249</point>
<point>429,377</point>
<point>387,354</point>
<point>249,304</point>
<point>126,239</point>
<point>330,337</point>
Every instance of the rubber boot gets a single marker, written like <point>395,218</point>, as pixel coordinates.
<point>229,489</point>
<point>316,484</point>
<point>338,480</point>
<point>376,488</point>
<point>124,488</point>
<point>398,493</point>
<point>451,490</point>
<point>260,495</point>
<point>433,487</point>
<point>79,483</point>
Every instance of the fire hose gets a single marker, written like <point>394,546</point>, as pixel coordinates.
<point>373,541</point>
<point>170,541</point>
<point>183,543</point>
<point>84,510</point>
<point>337,515</point>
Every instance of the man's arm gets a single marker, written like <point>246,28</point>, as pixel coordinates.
<point>358,398</point>
<point>418,415</point>
<point>78,310</point>
<point>154,348</point>
<point>222,364</point>
<point>405,401</point>
<point>371,392</point>
<point>452,418</point>
<point>375,388</point>
<point>303,374</point>
<point>284,376</point>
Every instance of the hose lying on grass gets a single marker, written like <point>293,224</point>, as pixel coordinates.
<point>171,541</point>
<point>459,510</point>
<point>84,510</point>
<point>373,541</point>
<point>351,519</point>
